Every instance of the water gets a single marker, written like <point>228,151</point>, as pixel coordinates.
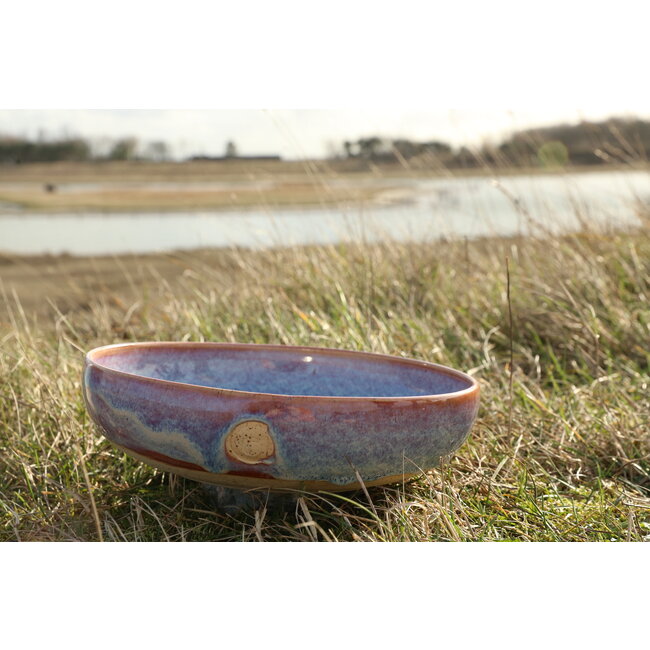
<point>420,210</point>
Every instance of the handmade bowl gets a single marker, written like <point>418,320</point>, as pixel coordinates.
<point>278,417</point>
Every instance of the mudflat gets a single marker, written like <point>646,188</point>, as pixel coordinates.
<point>216,185</point>
<point>43,286</point>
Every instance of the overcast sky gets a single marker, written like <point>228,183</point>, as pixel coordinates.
<point>481,69</point>
<point>289,133</point>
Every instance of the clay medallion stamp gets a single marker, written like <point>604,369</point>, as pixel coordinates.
<point>250,442</point>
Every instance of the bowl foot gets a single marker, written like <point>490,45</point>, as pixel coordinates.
<point>233,500</point>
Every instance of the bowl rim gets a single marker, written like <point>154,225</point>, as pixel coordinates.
<point>93,358</point>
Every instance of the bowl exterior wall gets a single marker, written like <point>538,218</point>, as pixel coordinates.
<point>315,441</point>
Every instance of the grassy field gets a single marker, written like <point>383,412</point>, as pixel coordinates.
<point>560,450</point>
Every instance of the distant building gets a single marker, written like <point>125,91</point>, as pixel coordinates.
<point>222,158</point>
<point>231,150</point>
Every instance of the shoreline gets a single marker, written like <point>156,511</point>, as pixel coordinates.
<point>383,197</point>
<point>49,284</point>
<point>141,188</point>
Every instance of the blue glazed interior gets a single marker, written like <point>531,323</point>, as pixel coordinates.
<point>285,372</point>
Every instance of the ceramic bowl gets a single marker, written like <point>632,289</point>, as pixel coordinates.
<point>278,417</point>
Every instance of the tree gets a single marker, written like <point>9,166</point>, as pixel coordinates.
<point>157,151</point>
<point>369,147</point>
<point>436,147</point>
<point>123,149</point>
<point>405,148</point>
<point>553,154</point>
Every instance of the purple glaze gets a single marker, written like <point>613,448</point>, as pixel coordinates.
<point>328,412</point>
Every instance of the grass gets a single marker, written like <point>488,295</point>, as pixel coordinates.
<point>560,450</point>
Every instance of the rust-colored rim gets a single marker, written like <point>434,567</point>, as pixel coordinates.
<point>93,357</point>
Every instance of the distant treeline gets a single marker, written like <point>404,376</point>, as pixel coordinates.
<point>22,150</point>
<point>616,140</point>
<point>16,150</point>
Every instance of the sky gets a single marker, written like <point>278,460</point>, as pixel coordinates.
<point>312,76</point>
<point>292,134</point>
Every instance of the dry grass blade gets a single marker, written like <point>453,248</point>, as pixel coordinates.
<point>93,505</point>
<point>512,355</point>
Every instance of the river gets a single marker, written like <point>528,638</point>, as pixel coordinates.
<point>419,210</point>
